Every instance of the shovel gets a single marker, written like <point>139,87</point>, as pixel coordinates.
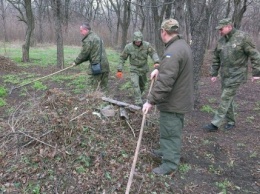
<point>13,88</point>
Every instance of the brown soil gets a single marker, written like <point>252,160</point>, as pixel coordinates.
<point>44,148</point>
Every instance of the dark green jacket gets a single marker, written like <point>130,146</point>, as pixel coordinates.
<point>138,57</point>
<point>173,90</point>
<point>91,52</point>
<point>231,56</point>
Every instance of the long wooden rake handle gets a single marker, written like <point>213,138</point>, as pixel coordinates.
<point>41,78</point>
<point>130,179</point>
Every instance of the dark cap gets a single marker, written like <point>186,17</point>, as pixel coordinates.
<point>170,24</point>
<point>224,22</point>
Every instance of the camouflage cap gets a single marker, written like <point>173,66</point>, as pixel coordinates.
<point>224,22</point>
<point>170,24</point>
<point>138,36</point>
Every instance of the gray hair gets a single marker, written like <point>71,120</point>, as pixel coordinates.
<point>86,26</point>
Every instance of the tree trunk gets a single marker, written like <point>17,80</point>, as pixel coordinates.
<point>56,5</point>
<point>29,30</point>
<point>180,16</point>
<point>125,22</point>
<point>239,10</point>
<point>40,12</point>
<point>199,15</point>
<point>3,9</point>
<point>157,23</point>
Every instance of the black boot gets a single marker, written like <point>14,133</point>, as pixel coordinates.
<point>210,128</point>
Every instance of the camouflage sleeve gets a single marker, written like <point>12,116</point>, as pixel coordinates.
<point>153,54</point>
<point>215,63</point>
<point>123,57</point>
<point>251,51</point>
<point>84,53</point>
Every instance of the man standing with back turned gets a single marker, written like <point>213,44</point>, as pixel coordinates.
<point>93,50</point>
<point>173,95</point>
<point>230,59</point>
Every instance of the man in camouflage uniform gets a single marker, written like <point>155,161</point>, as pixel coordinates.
<point>230,59</point>
<point>93,51</point>
<point>138,52</point>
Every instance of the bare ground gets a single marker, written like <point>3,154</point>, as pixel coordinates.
<point>43,151</point>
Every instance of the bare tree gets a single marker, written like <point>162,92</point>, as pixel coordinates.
<point>141,15</point>
<point>29,31</point>
<point>200,11</point>
<point>40,6</point>
<point>28,19</point>
<point>180,15</point>
<point>3,15</point>
<point>239,10</point>
<point>66,14</point>
<point>125,21</point>
<point>85,9</point>
<point>159,13</point>
<point>56,6</point>
<point>228,9</point>
<point>110,17</point>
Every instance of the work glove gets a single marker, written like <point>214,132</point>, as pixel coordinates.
<point>119,74</point>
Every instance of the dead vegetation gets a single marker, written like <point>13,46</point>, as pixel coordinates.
<point>63,143</point>
<point>7,65</point>
<point>50,136</point>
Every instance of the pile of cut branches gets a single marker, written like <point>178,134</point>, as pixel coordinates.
<point>68,135</point>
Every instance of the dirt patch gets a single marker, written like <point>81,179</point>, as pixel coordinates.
<point>59,142</point>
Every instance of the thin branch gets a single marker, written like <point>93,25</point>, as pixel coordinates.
<point>130,127</point>
<point>34,138</point>
<point>151,6</point>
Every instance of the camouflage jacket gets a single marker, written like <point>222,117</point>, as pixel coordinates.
<point>138,57</point>
<point>231,58</point>
<point>91,52</point>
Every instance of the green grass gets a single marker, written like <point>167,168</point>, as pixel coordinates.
<point>184,168</point>
<point>3,91</point>
<point>2,102</point>
<point>39,86</point>
<point>45,56</point>
<point>224,185</point>
<point>207,108</point>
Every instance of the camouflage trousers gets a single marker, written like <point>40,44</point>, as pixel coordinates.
<point>225,111</point>
<point>138,83</point>
<point>99,82</point>
<point>171,125</point>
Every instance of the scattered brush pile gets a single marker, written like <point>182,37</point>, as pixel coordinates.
<point>61,143</point>
<point>7,65</point>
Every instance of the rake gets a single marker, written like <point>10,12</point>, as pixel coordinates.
<point>13,88</point>
<point>130,179</point>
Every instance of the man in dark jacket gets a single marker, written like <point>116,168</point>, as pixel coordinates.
<point>93,50</point>
<point>230,59</point>
<point>172,93</point>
